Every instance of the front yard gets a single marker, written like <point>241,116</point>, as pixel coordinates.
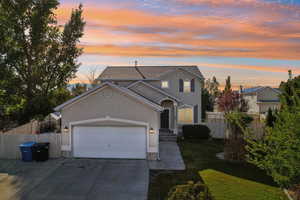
<point>232,179</point>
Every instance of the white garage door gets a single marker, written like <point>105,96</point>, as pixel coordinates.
<point>109,142</point>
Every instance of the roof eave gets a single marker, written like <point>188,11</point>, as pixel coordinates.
<point>136,96</point>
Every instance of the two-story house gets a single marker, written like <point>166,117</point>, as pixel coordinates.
<point>261,99</point>
<point>124,115</point>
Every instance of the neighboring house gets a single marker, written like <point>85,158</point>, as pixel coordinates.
<point>260,99</point>
<point>123,116</point>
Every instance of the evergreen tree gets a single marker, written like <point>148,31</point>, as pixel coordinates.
<point>228,85</point>
<point>270,119</point>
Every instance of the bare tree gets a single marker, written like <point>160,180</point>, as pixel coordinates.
<point>92,76</point>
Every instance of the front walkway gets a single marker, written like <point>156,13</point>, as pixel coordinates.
<point>170,158</point>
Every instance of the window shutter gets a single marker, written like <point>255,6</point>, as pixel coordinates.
<point>193,85</point>
<point>180,85</point>
<point>196,114</point>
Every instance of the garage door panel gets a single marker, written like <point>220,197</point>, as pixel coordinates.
<point>109,142</point>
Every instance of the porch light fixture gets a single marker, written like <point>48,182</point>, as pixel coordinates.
<point>66,129</point>
<point>151,131</point>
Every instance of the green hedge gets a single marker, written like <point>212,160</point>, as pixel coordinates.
<point>196,131</point>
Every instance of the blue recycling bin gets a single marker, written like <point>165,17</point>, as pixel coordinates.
<point>27,151</point>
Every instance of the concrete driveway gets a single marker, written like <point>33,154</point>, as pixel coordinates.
<point>74,179</point>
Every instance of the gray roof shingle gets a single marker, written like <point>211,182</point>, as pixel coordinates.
<point>143,72</point>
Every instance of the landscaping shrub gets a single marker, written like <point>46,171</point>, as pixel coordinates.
<point>196,131</point>
<point>189,191</point>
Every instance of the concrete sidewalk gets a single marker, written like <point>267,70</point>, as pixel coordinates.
<point>170,158</point>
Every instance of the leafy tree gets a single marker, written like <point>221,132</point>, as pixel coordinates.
<point>209,94</point>
<point>290,92</point>
<point>212,86</point>
<point>40,55</point>
<point>206,102</point>
<point>78,89</point>
<point>278,152</point>
<point>228,101</point>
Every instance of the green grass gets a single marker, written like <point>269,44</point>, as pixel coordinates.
<point>227,187</point>
<point>199,156</point>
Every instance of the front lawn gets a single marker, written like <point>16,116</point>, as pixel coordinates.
<point>227,187</point>
<point>200,156</point>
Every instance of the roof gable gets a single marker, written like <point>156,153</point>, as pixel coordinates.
<point>259,89</point>
<point>151,87</point>
<point>108,84</point>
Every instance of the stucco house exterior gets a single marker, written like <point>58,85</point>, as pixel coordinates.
<point>123,116</point>
<point>260,99</point>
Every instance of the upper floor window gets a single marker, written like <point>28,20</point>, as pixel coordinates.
<point>187,86</point>
<point>165,84</point>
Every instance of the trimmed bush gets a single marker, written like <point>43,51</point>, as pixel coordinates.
<point>189,191</point>
<point>196,131</point>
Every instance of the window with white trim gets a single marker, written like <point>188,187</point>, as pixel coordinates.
<point>187,86</point>
<point>185,115</point>
<point>165,84</point>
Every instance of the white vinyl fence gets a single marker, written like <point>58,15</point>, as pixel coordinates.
<point>216,123</point>
<point>9,144</point>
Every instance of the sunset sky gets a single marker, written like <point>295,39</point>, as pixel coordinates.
<point>253,41</point>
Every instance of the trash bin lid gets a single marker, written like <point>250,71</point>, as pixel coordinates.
<point>27,144</point>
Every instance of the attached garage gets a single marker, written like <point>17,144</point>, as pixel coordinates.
<point>110,122</point>
<point>109,142</point>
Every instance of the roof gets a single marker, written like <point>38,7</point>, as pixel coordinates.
<point>257,89</point>
<point>165,94</point>
<point>143,72</point>
<point>120,73</point>
<point>121,89</point>
<point>252,90</point>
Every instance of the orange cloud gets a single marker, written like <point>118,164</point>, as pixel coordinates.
<point>156,51</point>
<point>128,32</point>
<point>250,67</point>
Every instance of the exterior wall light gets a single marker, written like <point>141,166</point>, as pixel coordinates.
<point>151,131</point>
<point>66,129</point>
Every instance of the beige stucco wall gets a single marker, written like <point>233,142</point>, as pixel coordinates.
<point>111,102</point>
<point>191,98</point>
<point>251,99</point>
<point>255,104</point>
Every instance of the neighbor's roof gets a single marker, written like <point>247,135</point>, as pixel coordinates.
<point>143,72</point>
<point>257,89</point>
<point>121,89</point>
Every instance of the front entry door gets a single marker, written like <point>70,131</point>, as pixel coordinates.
<point>164,119</point>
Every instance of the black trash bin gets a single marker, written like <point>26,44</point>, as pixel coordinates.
<point>27,150</point>
<point>41,151</point>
